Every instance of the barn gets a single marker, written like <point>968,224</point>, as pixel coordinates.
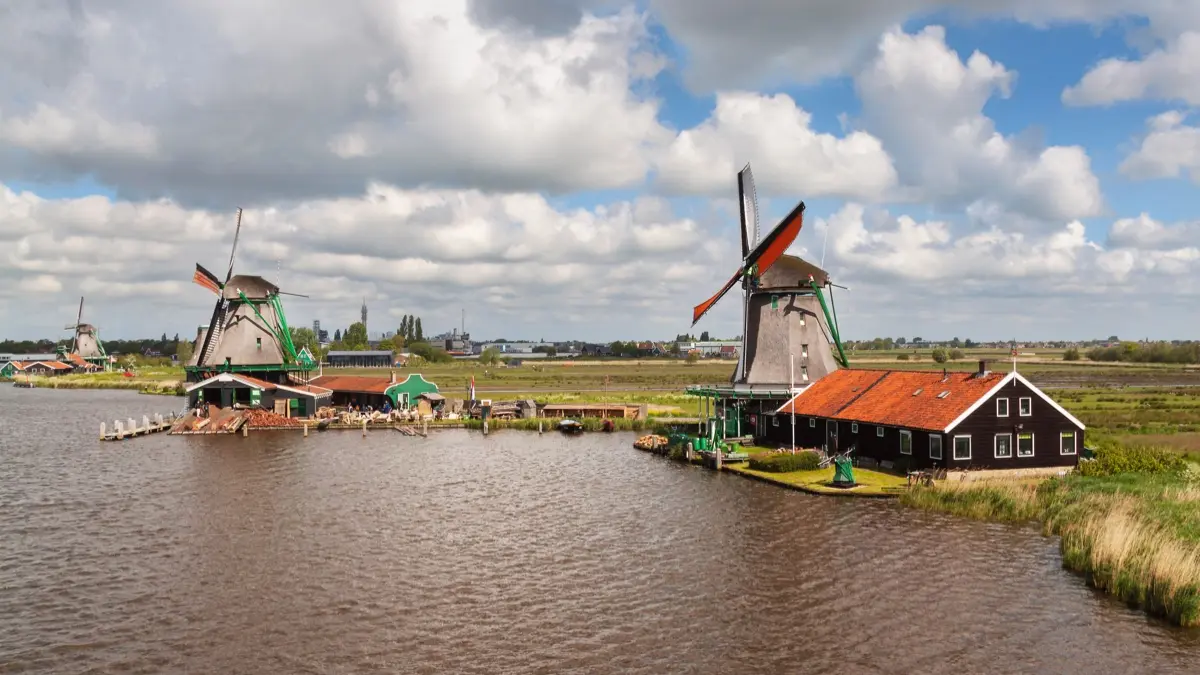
<point>921,420</point>
<point>226,389</point>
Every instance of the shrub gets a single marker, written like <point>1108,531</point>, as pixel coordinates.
<point>939,355</point>
<point>957,354</point>
<point>784,462</point>
<point>1071,354</point>
<point>902,357</point>
<point>1116,459</point>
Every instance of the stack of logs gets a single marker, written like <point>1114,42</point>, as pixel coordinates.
<point>264,419</point>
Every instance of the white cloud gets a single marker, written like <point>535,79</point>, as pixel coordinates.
<point>43,283</point>
<point>1168,150</point>
<point>1171,73</point>
<point>927,106</point>
<point>775,136</point>
<point>193,103</point>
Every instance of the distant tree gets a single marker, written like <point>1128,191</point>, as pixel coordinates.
<point>490,356</point>
<point>956,343</point>
<point>355,337</point>
<point>673,349</point>
<point>183,351</point>
<point>305,337</point>
<point>418,334</point>
<point>692,358</point>
<point>901,341</point>
<point>548,350</point>
<point>337,335</point>
<point>704,336</point>
<point>939,355</point>
<point>969,343</point>
<point>1113,338</point>
<point>404,327</point>
<point>956,354</point>
<point>1071,354</point>
<point>387,345</point>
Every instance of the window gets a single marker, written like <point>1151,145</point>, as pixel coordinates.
<point>1066,444</point>
<point>804,373</point>
<point>962,448</point>
<point>854,427</point>
<point>801,318</point>
<point>1003,446</point>
<point>905,442</point>
<point>1001,407</point>
<point>879,431</point>
<point>1026,407</point>
<point>1024,445</point>
<point>935,447</point>
<point>258,342</point>
<point>804,351</point>
<point>774,420</point>
<point>812,423</point>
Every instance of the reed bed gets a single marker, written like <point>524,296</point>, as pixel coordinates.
<point>1134,536</point>
<point>551,424</point>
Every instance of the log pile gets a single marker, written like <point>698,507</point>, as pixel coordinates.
<point>651,442</point>
<point>265,419</point>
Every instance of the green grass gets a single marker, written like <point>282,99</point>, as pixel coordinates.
<point>870,483</point>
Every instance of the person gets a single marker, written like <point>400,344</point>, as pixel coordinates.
<point>387,407</point>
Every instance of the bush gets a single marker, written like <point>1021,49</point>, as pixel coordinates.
<point>939,355</point>
<point>1071,354</point>
<point>784,462</point>
<point>902,357</point>
<point>1118,459</point>
<point>957,354</point>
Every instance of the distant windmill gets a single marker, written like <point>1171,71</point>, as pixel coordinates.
<point>86,342</point>
<point>784,312</point>
<point>248,329</point>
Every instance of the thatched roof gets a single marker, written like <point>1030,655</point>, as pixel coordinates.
<point>255,287</point>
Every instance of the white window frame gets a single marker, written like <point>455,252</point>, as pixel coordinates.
<point>954,448</point>
<point>998,402</point>
<point>905,433</point>
<point>996,447</point>
<point>774,420</point>
<point>1074,443</point>
<point>1032,446</point>
<point>938,438</point>
<point>879,431</point>
<point>1021,402</point>
<point>854,427</point>
<point>804,351</point>
<point>812,423</point>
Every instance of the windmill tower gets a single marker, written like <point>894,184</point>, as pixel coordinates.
<point>248,331</point>
<point>86,343</point>
<point>788,330</point>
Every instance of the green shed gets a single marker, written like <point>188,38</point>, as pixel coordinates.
<point>404,394</point>
<point>9,370</point>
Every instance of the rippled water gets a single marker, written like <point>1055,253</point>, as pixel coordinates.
<point>513,553</point>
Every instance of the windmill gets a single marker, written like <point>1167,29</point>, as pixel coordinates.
<point>86,342</point>
<point>784,312</point>
<point>248,330</point>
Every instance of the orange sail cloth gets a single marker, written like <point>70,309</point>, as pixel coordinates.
<point>204,278</point>
<point>764,255</point>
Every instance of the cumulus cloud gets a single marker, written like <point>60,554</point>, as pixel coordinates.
<point>1169,149</point>
<point>216,101</point>
<point>774,134</point>
<point>926,104</point>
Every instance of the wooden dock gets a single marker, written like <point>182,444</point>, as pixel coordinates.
<point>131,429</point>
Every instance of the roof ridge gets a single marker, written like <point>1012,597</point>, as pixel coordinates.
<point>863,392</point>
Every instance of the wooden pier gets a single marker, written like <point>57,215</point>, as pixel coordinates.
<point>131,429</point>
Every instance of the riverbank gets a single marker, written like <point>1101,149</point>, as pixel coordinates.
<point>869,483</point>
<point>1134,534</point>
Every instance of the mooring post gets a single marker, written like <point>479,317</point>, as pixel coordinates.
<point>425,428</point>
<point>717,454</point>
<point>117,430</point>
<point>364,428</point>
<point>245,429</point>
<point>485,427</point>
<point>691,452</point>
<point>132,427</point>
<point>146,422</point>
<point>539,427</point>
<point>102,430</point>
<point>158,420</point>
<point>306,429</point>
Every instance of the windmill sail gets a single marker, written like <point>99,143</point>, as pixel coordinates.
<point>207,279</point>
<point>748,210</point>
<point>764,254</point>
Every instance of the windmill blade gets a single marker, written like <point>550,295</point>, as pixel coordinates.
<point>746,243</point>
<point>764,256</point>
<point>748,205</point>
<point>79,318</point>
<point>777,240</point>
<point>203,277</point>
<point>236,232</point>
<point>212,328</point>
<point>702,308</point>
<point>294,295</point>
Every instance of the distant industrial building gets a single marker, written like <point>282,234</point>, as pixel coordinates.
<point>360,359</point>
<point>729,349</point>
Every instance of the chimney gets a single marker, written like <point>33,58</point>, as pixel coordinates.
<point>982,368</point>
<point>393,371</point>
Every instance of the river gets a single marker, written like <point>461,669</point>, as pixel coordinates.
<point>512,553</point>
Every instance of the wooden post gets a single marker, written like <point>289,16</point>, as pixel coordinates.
<point>245,429</point>
<point>117,430</point>
<point>146,422</point>
<point>132,427</point>
<point>691,453</point>
<point>485,427</point>
<point>539,427</point>
<point>364,428</point>
<point>306,429</point>
<point>425,427</point>
<point>717,455</point>
<point>102,430</point>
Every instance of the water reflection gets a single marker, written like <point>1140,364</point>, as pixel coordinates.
<point>512,553</point>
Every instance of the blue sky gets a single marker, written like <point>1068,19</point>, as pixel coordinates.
<point>136,128</point>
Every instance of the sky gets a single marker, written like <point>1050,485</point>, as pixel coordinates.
<point>566,169</point>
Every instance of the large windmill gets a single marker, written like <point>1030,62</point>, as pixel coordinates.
<point>248,331</point>
<point>86,343</point>
<point>789,332</point>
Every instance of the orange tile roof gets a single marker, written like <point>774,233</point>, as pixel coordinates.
<point>886,397</point>
<point>355,384</point>
<point>77,360</point>
<point>269,386</point>
<point>53,365</point>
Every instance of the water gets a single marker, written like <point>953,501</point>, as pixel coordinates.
<point>514,553</point>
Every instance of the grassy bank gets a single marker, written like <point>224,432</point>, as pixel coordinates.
<point>870,483</point>
<point>550,424</point>
<point>1133,535</point>
<point>144,386</point>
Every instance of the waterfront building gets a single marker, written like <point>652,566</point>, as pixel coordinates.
<point>924,420</point>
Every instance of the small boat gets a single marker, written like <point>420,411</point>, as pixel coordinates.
<point>570,427</point>
<point>323,425</point>
<point>607,426</point>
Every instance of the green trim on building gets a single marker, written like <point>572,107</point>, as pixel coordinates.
<point>412,387</point>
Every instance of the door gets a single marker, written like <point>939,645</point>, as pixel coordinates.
<point>831,439</point>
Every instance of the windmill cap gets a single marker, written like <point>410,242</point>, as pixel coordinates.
<point>254,287</point>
